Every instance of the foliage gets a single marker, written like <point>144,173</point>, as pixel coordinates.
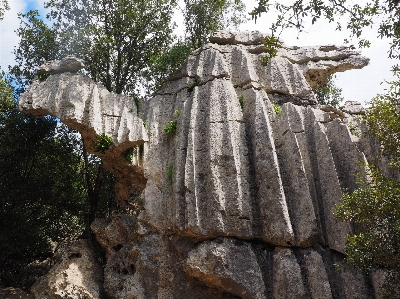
<point>128,155</point>
<point>329,94</point>
<point>38,43</point>
<point>383,119</point>
<point>192,85</point>
<point>358,16</point>
<point>241,103</point>
<point>138,103</point>
<point>277,109</point>
<point>116,39</point>
<point>43,77</point>
<point>353,129</point>
<point>374,208</point>
<point>271,44</point>
<point>103,143</point>
<point>42,202</point>
<point>164,64</point>
<point>203,17</point>
<point>170,128</point>
<point>3,7</point>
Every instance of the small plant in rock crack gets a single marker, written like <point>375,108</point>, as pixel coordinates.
<point>44,76</point>
<point>170,128</point>
<point>192,85</point>
<point>128,154</point>
<point>103,144</point>
<point>271,44</point>
<point>240,98</point>
<point>353,129</point>
<point>277,109</point>
<point>145,124</point>
<point>170,172</point>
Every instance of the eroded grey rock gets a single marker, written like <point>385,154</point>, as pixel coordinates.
<point>353,107</point>
<point>239,201</point>
<point>92,110</point>
<point>227,264</point>
<point>288,282</point>
<point>317,276</point>
<point>68,64</point>
<point>77,276</point>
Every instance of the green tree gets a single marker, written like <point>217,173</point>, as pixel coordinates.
<point>41,196</point>
<point>329,94</point>
<point>203,17</point>
<point>3,7</point>
<point>116,38</point>
<point>164,64</point>
<point>38,43</point>
<point>375,205</point>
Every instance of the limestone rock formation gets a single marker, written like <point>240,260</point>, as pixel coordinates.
<point>78,275</point>
<point>68,64</point>
<point>239,200</point>
<point>91,109</point>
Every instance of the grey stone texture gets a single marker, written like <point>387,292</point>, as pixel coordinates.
<point>68,64</point>
<point>228,264</point>
<point>239,201</point>
<point>77,276</point>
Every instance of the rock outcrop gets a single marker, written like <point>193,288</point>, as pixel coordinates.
<point>239,200</point>
<point>78,275</point>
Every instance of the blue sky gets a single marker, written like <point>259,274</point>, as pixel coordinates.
<point>359,85</point>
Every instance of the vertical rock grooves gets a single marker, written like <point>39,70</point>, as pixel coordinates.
<point>239,200</point>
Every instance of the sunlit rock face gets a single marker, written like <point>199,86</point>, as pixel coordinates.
<point>239,199</point>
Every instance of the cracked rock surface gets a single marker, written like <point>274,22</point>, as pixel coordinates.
<point>238,202</point>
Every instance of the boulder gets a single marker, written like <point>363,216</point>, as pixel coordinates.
<point>77,276</point>
<point>227,264</point>
<point>67,64</point>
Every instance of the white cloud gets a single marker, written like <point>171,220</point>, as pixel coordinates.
<point>8,37</point>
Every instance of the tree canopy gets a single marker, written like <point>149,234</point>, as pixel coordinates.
<point>3,7</point>
<point>203,17</point>
<point>41,194</point>
<point>354,17</point>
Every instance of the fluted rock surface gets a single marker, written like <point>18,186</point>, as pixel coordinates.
<point>238,202</point>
